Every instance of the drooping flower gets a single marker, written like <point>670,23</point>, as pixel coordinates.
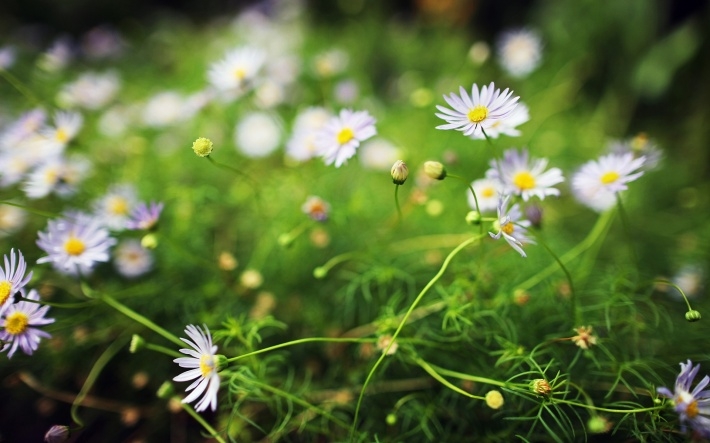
<point>597,182</point>
<point>475,113</point>
<point>75,244</point>
<point>12,278</point>
<point>519,51</point>
<point>145,217</point>
<point>19,322</point>
<point>202,367</point>
<point>511,226</point>
<point>340,137</point>
<point>693,407</point>
<point>316,208</point>
<point>521,175</point>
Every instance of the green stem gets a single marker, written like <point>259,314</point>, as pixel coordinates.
<point>82,304</point>
<point>300,401</point>
<point>670,283</point>
<point>488,139</point>
<point>28,209</point>
<point>601,225</point>
<point>322,271</point>
<point>93,375</point>
<point>123,309</point>
<point>426,288</point>
<point>468,377</point>
<point>301,341</point>
<point>431,371</point>
<point>475,197</point>
<point>21,88</point>
<point>615,411</point>
<point>396,202</point>
<point>198,418</point>
<point>627,229</point>
<point>163,350</point>
<point>232,169</point>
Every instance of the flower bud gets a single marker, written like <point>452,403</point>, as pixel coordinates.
<point>202,147</point>
<point>399,172</point>
<point>473,218</point>
<point>57,434</point>
<point>494,399</point>
<point>391,419</point>
<point>137,343</point>
<point>692,315</point>
<point>149,241</point>
<point>165,390</point>
<point>320,272</point>
<point>598,425</point>
<point>435,170</point>
<point>540,386</point>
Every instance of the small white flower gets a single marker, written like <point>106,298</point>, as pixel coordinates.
<point>92,90</point>
<point>131,259</point>
<point>597,182</point>
<point>379,154</point>
<point>507,125</point>
<point>475,113</point>
<point>237,71</point>
<point>7,57</point>
<point>202,365</point>
<point>520,175</point>
<point>12,219</point>
<point>58,175</point>
<point>338,140</point>
<point>19,322</point>
<point>301,146</point>
<point>12,278</point>
<point>488,193</point>
<point>165,109</point>
<point>330,63</point>
<point>257,134</point>
<point>66,126</point>
<point>520,51</point>
<point>511,226</point>
<point>114,208</point>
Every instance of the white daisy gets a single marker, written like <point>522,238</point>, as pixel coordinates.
<point>257,134</point>
<point>19,322</point>
<point>12,278</point>
<point>131,259</point>
<point>520,51</point>
<point>114,208</point>
<point>58,175</point>
<point>92,90</point>
<point>66,126</point>
<point>520,175</point>
<point>488,193</point>
<point>511,226</point>
<point>507,126</point>
<point>597,182</point>
<point>236,72</point>
<point>301,146</point>
<point>202,365</point>
<point>379,154</point>
<point>338,140</point>
<point>164,109</point>
<point>473,114</point>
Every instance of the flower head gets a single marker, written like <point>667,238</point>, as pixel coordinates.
<point>316,208</point>
<point>511,226</point>
<point>236,72</point>
<point>494,399</point>
<point>399,172</point>
<point>202,147</point>
<point>584,338</point>
<point>19,321</point>
<point>202,367</point>
<point>507,125</point>
<point>487,192</point>
<point>475,113</point>
<point>12,278</point>
<point>340,137</point>
<point>257,134</point>
<point>75,244</point>
<point>145,217</point>
<point>301,146</point>
<point>598,180</point>
<point>114,208</point>
<point>519,51</point>
<point>131,259</point>
<point>693,407</point>
<point>520,175</point>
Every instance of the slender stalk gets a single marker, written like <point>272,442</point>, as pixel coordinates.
<point>93,375</point>
<point>614,411</point>
<point>443,381</point>
<point>163,350</point>
<point>488,139</point>
<point>28,209</point>
<point>462,376</point>
<point>125,310</point>
<point>414,304</point>
<point>322,271</point>
<point>302,341</point>
<point>198,418</point>
<point>670,283</point>
<point>21,88</point>
<point>396,202</point>
<point>475,197</point>
<point>627,229</point>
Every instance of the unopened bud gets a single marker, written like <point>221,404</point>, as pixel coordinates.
<point>540,386</point>
<point>435,170</point>
<point>320,272</point>
<point>391,419</point>
<point>473,218</point>
<point>692,315</point>
<point>165,390</point>
<point>399,172</point>
<point>137,343</point>
<point>149,241</point>
<point>202,147</point>
<point>494,399</point>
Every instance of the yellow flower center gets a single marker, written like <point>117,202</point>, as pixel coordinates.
<point>240,74</point>
<point>488,192</point>
<point>206,365</point>
<point>524,180</point>
<point>61,136</point>
<point>477,114</point>
<point>692,409</point>
<point>345,135</point>
<point>639,142</point>
<point>5,288</point>
<point>16,323</point>
<point>610,177</point>
<point>508,228</point>
<point>74,246</point>
<point>118,206</point>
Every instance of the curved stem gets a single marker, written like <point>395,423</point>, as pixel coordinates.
<point>28,209</point>
<point>462,376</point>
<point>301,341</point>
<point>443,381</point>
<point>213,433</point>
<point>670,283</point>
<point>125,310</point>
<point>163,350</point>
<point>414,304</point>
<point>322,271</point>
<point>396,202</point>
<point>475,198</point>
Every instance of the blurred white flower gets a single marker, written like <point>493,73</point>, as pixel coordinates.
<point>57,175</point>
<point>7,57</point>
<point>519,51</point>
<point>237,71</point>
<point>521,175</point>
<point>257,134</point>
<point>12,219</point>
<point>488,194</point>
<point>301,146</point>
<point>58,56</point>
<point>131,259</point>
<point>378,154</point>
<point>330,63</point>
<point>346,92</point>
<point>597,182</point>
<point>92,90</point>
<point>114,208</point>
<point>165,109</point>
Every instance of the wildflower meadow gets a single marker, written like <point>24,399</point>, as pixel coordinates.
<point>358,221</point>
